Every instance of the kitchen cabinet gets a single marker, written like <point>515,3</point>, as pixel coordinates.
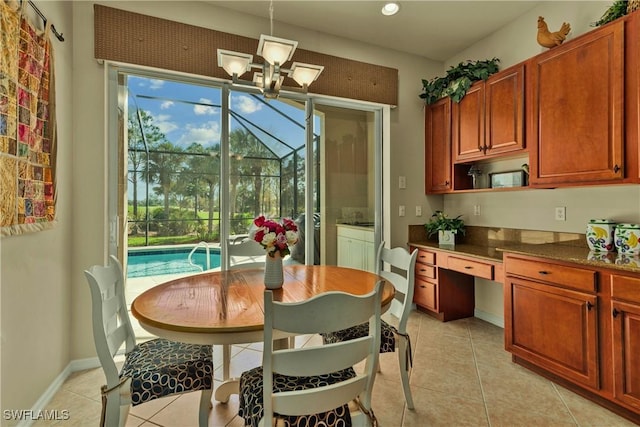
<point>625,294</point>
<point>489,120</point>
<point>437,125</point>
<point>575,101</point>
<point>356,247</point>
<point>578,325</point>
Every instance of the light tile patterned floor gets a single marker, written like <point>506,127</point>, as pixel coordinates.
<point>461,377</point>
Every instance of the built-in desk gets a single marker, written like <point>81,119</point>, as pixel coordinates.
<point>444,280</point>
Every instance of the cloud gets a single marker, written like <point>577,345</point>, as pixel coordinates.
<point>163,122</point>
<point>166,104</point>
<point>206,134</point>
<point>156,83</point>
<point>201,110</point>
<point>245,104</point>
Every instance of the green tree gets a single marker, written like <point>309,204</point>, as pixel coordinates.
<point>164,161</point>
<point>204,166</point>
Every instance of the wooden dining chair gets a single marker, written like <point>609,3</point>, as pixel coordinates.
<point>151,369</point>
<point>318,383</point>
<point>401,273</point>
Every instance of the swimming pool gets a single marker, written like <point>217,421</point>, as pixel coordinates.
<point>156,262</point>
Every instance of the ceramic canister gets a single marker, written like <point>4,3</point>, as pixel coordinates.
<point>600,235</point>
<point>627,238</point>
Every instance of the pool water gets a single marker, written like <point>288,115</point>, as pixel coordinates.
<point>156,262</point>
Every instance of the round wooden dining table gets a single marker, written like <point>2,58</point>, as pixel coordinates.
<point>227,307</point>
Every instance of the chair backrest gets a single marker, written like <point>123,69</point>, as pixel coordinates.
<point>246,254</point>
<point>401,273</point>
<point>111,323</point>
<point>326,312</point>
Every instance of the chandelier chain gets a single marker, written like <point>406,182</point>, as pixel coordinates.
<point>271,16</point>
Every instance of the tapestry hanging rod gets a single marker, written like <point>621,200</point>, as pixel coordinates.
<point>44,18</point>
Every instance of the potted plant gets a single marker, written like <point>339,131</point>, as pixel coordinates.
<point>446,227</point>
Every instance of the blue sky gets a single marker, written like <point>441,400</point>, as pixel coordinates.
<point>188,113</point>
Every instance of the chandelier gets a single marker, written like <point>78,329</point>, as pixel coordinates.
<point>270,75</point>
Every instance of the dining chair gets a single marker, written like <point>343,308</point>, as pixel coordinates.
<point>312,385</point>
<point>152,369</point>
<point>401,273</point>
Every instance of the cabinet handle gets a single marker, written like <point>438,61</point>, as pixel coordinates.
<point>422,286</point>
<point>589,306</point>
<point>446,183</point>
<point>616,168</point>
<point>615,312</point>
<point>543,272</point>
<point>468,267</point>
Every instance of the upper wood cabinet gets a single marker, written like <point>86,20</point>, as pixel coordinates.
<point>437,128</point>
<point>488,121</point>
<point>575,100</point>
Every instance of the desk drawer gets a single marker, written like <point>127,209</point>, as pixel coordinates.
<point>625,288</point>
<point>425,294</point>
<point>470,267</point>
<point>426,271</point>
<point>575,278</point>
<point>426,257</point>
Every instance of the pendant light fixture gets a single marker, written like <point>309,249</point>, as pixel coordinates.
<point>275,51</point>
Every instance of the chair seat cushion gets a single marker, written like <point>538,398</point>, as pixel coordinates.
<point>161,367</point>
<point>251,409</point>
<point>387,340</point>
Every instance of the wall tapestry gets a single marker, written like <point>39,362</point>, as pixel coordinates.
<point>27,126</point>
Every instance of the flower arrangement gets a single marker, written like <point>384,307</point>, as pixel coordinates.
<point>441,222</point>
<point>275,236</point>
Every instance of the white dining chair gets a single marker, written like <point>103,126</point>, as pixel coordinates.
<point>152,369</point>
<point>396,265</point>
<point>246,253</point>
<point>314,383</point>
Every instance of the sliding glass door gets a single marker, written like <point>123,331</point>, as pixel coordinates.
<point>201,160</point>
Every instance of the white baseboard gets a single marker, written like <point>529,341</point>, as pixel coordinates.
<point>488,317</point>
<point>43,401</point>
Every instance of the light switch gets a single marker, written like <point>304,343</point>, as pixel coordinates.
<point>402,182</point>
<point>418,210</point>
<point>401,210</point>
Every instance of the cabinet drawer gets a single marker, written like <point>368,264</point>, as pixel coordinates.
<point>470,267</point>
<point>625,288</point>
<point>426,271</point>
<point>575,278</point>
<point>426,257</point>
<point>425,294</point>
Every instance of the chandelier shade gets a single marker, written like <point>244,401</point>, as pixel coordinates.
<point>276,50</point>
<point>234,63</point>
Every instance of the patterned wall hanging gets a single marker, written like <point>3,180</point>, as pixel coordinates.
<point>27,126</point>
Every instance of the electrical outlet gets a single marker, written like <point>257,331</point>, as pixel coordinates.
<point>418,210</point>
<point>476,210</point>
<point>401,210</point>
<point>561,213</point>
<point>402,182</point>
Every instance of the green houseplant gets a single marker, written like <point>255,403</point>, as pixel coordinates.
<point>441,223</point>
<point>458,80</point>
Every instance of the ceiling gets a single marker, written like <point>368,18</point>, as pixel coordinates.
<point>433,29</point>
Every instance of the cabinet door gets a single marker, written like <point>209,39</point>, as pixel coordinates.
<point>553,328</point>
<point>468,124</point>
<point>626,351</point>
<point>437,148</point>
<point>504,111</point>
<point>576,100</point>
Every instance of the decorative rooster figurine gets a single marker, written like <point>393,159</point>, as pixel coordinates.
<point>547,38</point>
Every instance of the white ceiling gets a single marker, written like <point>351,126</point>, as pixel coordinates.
<point>433,29</point>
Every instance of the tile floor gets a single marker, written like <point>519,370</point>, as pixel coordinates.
<point>461,377</point>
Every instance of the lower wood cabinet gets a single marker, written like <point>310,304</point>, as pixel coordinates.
<point>625,313</point>
<point>579,325</point>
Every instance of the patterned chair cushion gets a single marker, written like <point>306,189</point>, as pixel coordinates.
<point>251,409</point>
<point>387,340</point>
<point>161,367</point>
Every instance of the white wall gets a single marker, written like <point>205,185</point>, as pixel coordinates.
<point>534,209</point>
<point>35,278</point>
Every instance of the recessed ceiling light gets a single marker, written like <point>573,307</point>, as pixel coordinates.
<point>390,8</point>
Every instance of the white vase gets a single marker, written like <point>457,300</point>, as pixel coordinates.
<point>446,238</point>
<point>273,274</point>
